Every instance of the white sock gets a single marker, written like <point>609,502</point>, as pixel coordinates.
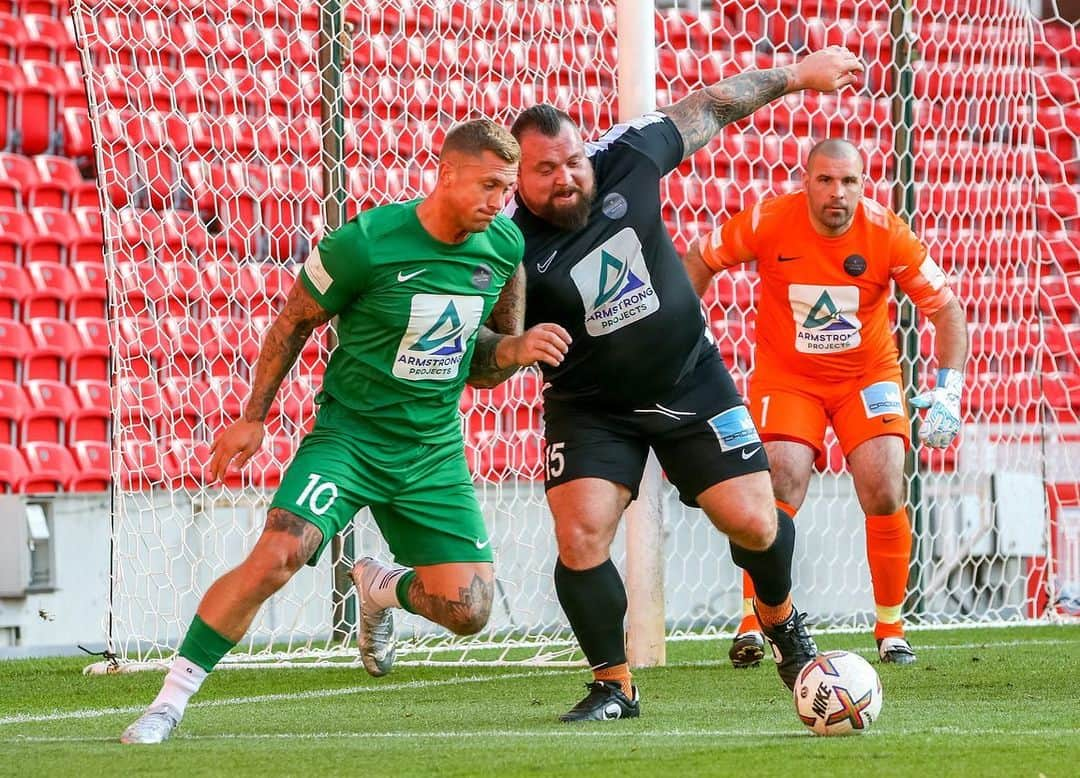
<point>183,680</point>
<point>383,589</point>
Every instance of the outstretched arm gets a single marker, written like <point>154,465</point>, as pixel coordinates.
<point>503,348</point>
<point>281,346</point>
<point>704,112</point>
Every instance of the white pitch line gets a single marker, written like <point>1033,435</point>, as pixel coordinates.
<point>560,733</point>
<point>30,718</point>
<point>313,694</point>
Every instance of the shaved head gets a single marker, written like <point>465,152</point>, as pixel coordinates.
<point>835,149</point>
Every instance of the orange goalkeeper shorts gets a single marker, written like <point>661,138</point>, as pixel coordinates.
<point>798,408</point>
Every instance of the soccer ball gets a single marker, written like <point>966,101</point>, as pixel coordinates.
<point>838,694</point>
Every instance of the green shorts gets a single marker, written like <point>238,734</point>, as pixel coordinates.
<point>420,494</point>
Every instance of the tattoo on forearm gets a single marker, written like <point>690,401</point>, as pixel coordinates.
<point>507,318</point>
<point>484,370</point>
<point>281,346</point>
<point>468,613</point>
<point>703,113</point>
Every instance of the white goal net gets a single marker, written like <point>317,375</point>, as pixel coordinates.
<point>229,133</point>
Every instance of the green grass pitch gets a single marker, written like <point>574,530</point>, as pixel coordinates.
<point>980,702</point>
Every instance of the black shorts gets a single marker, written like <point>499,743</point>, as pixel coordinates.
<point>701,432</point>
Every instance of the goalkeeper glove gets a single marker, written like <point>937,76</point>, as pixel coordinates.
<point>942,422</point>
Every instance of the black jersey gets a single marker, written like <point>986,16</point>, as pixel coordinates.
<point>617,285</point>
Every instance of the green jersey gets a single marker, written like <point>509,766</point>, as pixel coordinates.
<point>409,307</point>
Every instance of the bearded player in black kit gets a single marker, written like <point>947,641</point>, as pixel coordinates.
<point>640,372</point>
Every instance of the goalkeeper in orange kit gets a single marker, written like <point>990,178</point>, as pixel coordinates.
<point>825,354</point>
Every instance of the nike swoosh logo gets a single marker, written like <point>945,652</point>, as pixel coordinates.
<point>543,266</point>
<point>406,276</point>
<point>484,544</point>
<point>782,258</point>
<point>750,453</point>
<point>887,419</point>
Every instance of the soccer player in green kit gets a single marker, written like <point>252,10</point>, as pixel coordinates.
<point>416,287</point>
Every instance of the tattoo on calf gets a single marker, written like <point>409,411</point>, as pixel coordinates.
<point>466,614</point>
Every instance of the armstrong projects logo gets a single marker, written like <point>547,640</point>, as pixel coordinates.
<point>614,283</point>
<point>435,341</point>
<point>826,318</point>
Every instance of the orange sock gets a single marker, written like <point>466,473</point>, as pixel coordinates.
<point>750,621</point>
<point>619,674</point>
<point>888,549</point>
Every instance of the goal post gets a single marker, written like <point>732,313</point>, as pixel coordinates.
<point>221,157</point>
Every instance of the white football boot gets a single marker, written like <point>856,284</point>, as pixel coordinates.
<point>375,635</point>
<point>155,725</point>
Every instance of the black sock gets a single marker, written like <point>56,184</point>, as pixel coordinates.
<point>770,570</point>
<point>594,601</point>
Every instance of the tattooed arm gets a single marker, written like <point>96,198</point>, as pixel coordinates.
<point>499,352</point>
<point>507,319</point>
<point>281,346</point>
<point>704,112</point>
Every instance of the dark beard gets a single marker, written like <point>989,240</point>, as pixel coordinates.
<point>570,219</point>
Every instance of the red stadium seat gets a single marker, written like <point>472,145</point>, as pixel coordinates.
<point>15,346</point>
<point>12,37</point>
<point>61,185</point>
<point>187,404</point>
<point>42,99</point>
<point>143,345</point>
<point>140,465</point>
<point>92,361</point>
<point>91,295</point>
<point>78,138</point>
<point>94,461</point>
<point>51,467</point>
<point>15,286</point>
<point>186,464</point>
<point>51,406</point>
<point>48,40</point>
<point>55,343</point>
<point>90,421</point>
<point>139,407</point>
<point>183,294</point>
<point>228,395</point>
<point>18,237</point>
<point>13,470</point>
<point>223,200</point>
<point>141,287</point>
<point>53,289</point>
<point>12,83</point>
<point>18,180</point>
<point>13,407</point>
<point>56,231</point>
<point>184,355</point>
<point>231,287</point>
<point>229,345</point>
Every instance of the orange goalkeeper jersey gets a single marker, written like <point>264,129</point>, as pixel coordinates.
<point>823,309</point>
